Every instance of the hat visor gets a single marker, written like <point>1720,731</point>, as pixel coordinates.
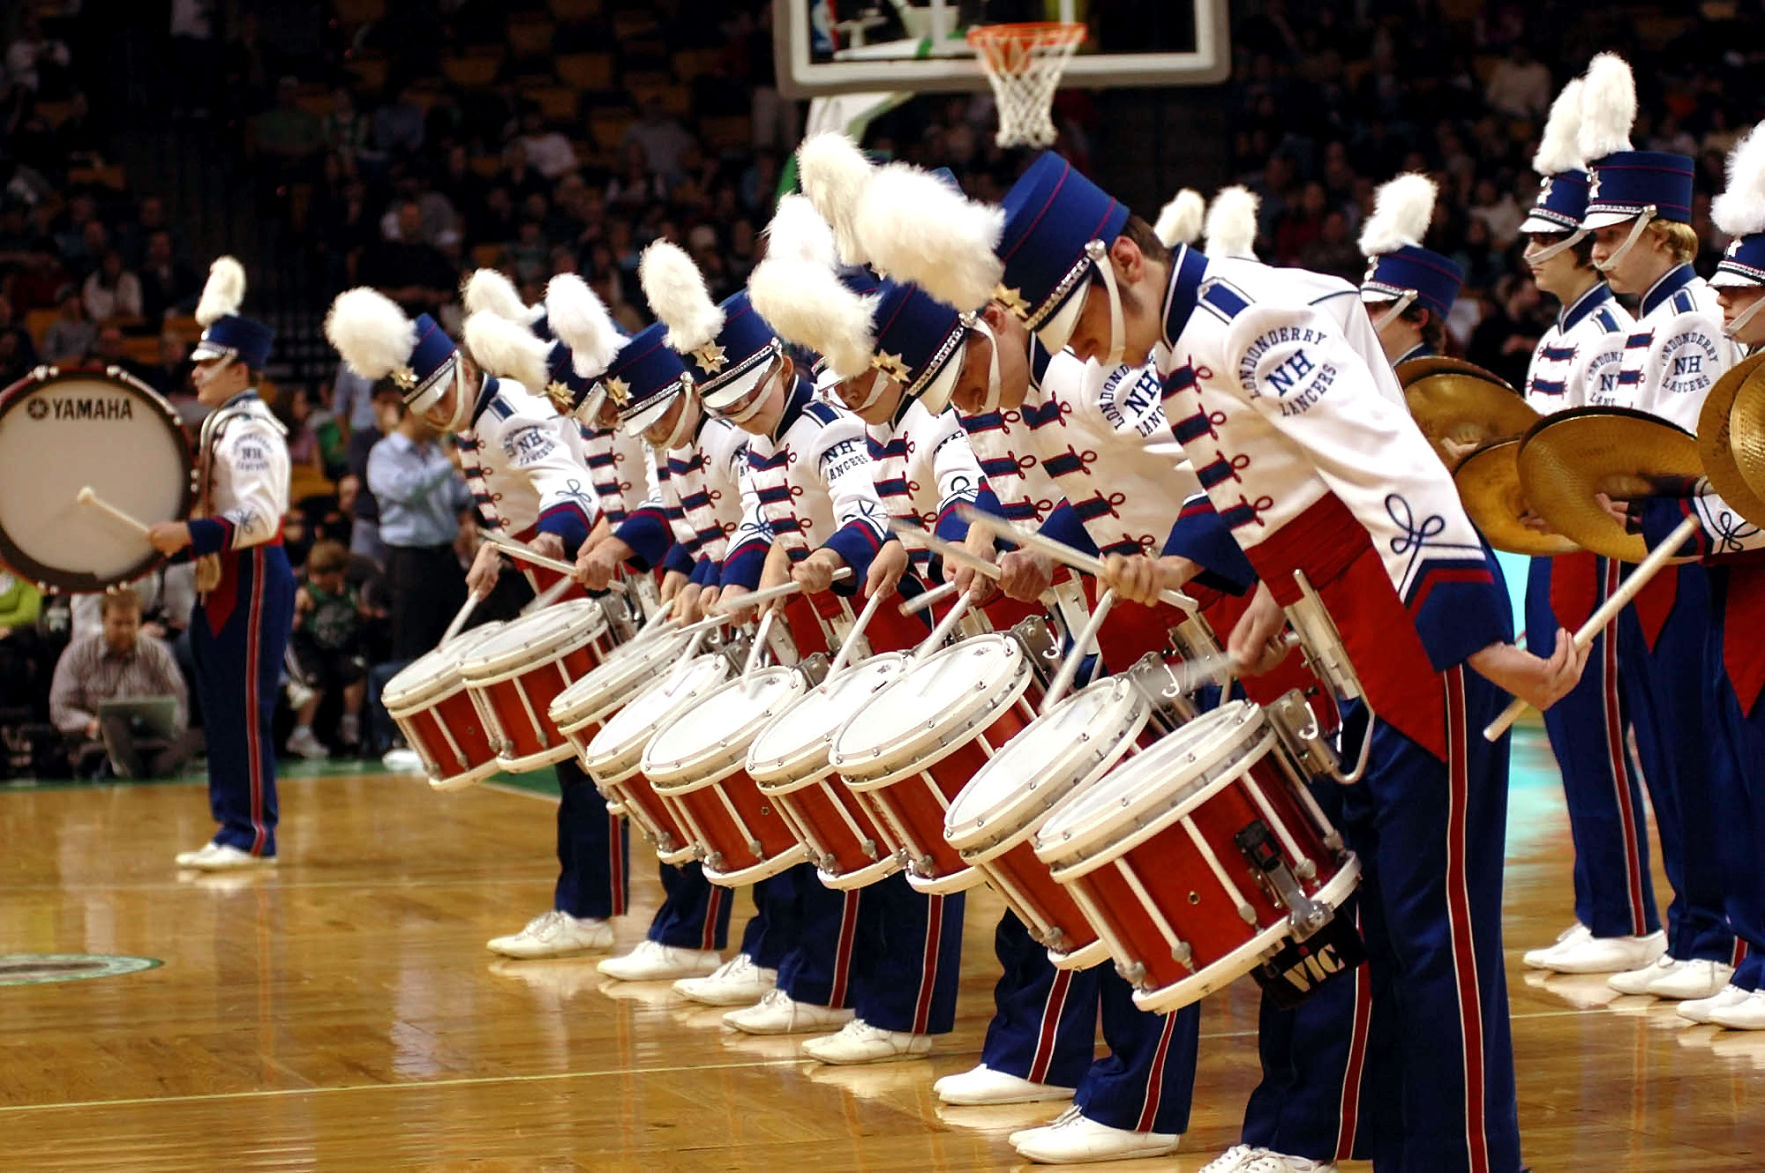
<point>1545,227</point>
<point>646,416</point>
<point>826,381</point>
<point>207,350</point>
<point>438,386</point>
<point>1056,332</point>
<point>1595,220</point>
<point>936,396</point>
<point>1724,278</point>
<point>739,387</point>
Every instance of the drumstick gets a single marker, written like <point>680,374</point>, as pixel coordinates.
<point>547,597</point>
<point>851,640</point>
<point>944,627</point>
<point>526,553</point>
<point>460,617</point>
<point>930,598</point>
<point>87,497</point>
<point>1070,669</point>
<point>1608,611</point>
<point>1059,551</point>
<point>755,598</point>
<point>757,648</point>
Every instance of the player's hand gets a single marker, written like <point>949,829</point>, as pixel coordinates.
<point>815,573</point>
<point>1255,643</point>
<point>687,604</point>
<point>550,545</point>
<point>1140,577</point>
<point>487,566</point>
<point>728,601</point>
<point>1026,574</point>
<point>972,582</point>
<point>886,569</point>
<point>168,537</point>
<point>595,568</point>
<point>672,582</point>
<point>1539,682</point>
<point>707,601</point>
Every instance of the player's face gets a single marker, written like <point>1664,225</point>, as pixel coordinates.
<point>660,432</point>
<point>881,410</point>
<point>1558,275</point>
<point>1398,335</point>
<point>219,379</point>
<point>1736,300</point>
<point>1093,336</point>
<point>606,416</point>
<point>1013,340</point>
<point>760,410</point>
<point>1640,266</point>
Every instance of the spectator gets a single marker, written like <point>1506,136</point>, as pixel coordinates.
<point>20,604</point>
<point>1504,340</point>
<point>289,134</point>
<point>347,131</point>
<point>661,137</point>
<point>352,400</point>
<point>421,497</point>
<point>326,646</point>
<point>71,335</point>
<point>1334,250</point>
<point>1519,86</point>
<point>18,354</point>
<point>112,291</point>
<point>112,351</point>
<point>398,126</point>
<point>36,62</point>
<point>550,152</point>
<point>167,284</point>
<point>407,268</point>
<point>170,375</point>
<point>520,176</point>
<point>303,438</point>
<point>364,535</point>
<point>119,663</point>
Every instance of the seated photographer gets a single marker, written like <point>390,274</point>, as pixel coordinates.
<point>103,693</point>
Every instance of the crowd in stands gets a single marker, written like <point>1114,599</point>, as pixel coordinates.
<point>402,144</point>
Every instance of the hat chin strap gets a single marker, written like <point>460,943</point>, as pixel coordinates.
<point>1397,307</point>
<point>1733,329</point>
<point>1118,341</point>
<point>879,383</point>
<point>462,399</point>
<point>682,425</point>
<point>995,388</point>
<point>1643,219</point>
<point>1546,253</point>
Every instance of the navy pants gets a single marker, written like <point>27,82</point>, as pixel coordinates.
<point>1737,789</point>
<point>238,634</point>
<point>594,850</point>
<point>694,912</point>
<point>1614,893</point>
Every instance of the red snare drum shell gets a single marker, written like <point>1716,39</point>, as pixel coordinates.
<point>516,676</point>
<point>582,708</point>
<point>428,702</point>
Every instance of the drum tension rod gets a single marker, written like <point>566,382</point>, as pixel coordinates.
<point>1258,844</point>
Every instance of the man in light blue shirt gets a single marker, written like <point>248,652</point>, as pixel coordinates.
<point>414,475</point>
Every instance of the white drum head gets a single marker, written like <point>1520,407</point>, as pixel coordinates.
<point>619,746</point>
<point>797,740</point>
<point>434,670</point>
<point>954,690</point>
<point>63,431</point>
<point>1085,734</point>
<point>631,666</point>
<point>716,732</point>
<point>535,638</point>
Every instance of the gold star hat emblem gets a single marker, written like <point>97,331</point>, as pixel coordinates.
<point>710,357</point>
<point>405,378</point>
<point>618,390</point>
<point>1013,300</point>
<point>891,365</point>
<point>560,394</point>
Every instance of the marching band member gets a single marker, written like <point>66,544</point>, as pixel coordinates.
<point>1230,229</point>
<point>1409,289</point>
<point>809,483</point>
<point>1617,926</point>
<point>1638,210</point>
<point>520,466</point>
<point>1306,456</point>
<point>245,605</point>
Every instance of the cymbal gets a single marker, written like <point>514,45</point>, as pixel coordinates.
<point>1746,439</point>
<point>1456,401</point>
<point>1489,485</point>
<point>1721,443</point>
<point>1568,457</point>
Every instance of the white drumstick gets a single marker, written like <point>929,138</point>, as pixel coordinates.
<point>460,617</point>
<point>755,598</point>
<point>547,597</point>
<point>942,631</point>
<point>757,649</point>
<point>927,600</point>
<point>1059,551</point>
<point>526,553</point>
<point>1063,680</point>
<point>857,632</point>
<point>88,497</point>
<point>1608,611</point>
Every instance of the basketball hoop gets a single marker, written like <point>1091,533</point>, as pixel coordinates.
<point>1024,62</point>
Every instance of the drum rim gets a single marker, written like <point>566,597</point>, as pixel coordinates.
<point>730,753</point>
<point>883,868</point>
<point>442,675</point>
<point>929,746</point>
<point>481,668</point>
<point>1097,837</point>
<point>466,778</point>
<point>606,688</point>
<point>771,866</point>
<point>1078,764</point>
<point>804,765</point>
<point>617,760</point>
<point>47,578</point>
<point>957,881</point>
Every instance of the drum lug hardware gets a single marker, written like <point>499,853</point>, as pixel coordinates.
<point>1183,955</point>
<point>827,862</point>
<point>1134,974</point>
<point>1297,727</point>
<point>1259,846</point>
<point>755,846</point>
<point>714,861</point>
<point>1053,938</point>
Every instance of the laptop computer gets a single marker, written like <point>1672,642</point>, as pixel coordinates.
<point>148,716</point>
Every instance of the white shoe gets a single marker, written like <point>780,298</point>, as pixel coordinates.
<point>553,934</point>
<point>1074,1139</point>
<point>405,761</point>
<point>859,1042</point>
<point>737,982</point>
<point>1235,1158</point>
<point>778,1014</point>
<point>983,1085</point>
<point>1535,958</point>
<point>650,962</point>
<point>1700,1009</point>
<point>1636,981</point>
<point>1267,1162</point>
<point>1693,979</point>
<point>302,743</point>
<point>218,857</point>
<point>1604,954</point>
<point>1747,1014</point>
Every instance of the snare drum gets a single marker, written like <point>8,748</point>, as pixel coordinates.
<point>993,820</point>
<point>915,745</point>
<point>788,759</point>
<point>614,755</point>
<point>515,677</point>
<point>697,765</point>
<point>428,702</point>
<point>1199,858</point>
<point>580,710</point>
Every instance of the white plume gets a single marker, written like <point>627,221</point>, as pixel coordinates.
<point>677,294</point>
<point>1608,107</point>
<point>1231,222</point>
<point>508,350</point>
<point>1402,208</point>
<point>1559,148</point>
<point>580,320</point>
<point>488,291</point>
<point>915,227</point>
<point>797,290</point>
<point>224,293</point>
<point>1740,209</point>
<point>834,174</point>
<point>1179,222</point>
<point>371,333</point>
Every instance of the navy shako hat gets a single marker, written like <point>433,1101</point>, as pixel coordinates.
<point>1623,183</point>
<point>1058,226</point>
<point>644,378</point>
<point>1740,212</point>
<point>1398,267</point>
<point>226,333</point>
<point>1561,203</point>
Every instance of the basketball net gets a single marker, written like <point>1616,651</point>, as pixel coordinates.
<point>1024,63</point>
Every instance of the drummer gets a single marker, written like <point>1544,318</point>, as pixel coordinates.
<point>1617,926</point>
<point>1323,473</point>
<point>1639,212</point>
<point>1734,667</point>
<point>525,480</point>
<point>245,605</point>
<point>812,510</point>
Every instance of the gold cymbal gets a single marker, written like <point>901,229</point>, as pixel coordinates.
<point>1721,443</point>
<point>1489,485</point>
<point>1465,404</point>
<point>1746,439</point>
<point>1567,458</point>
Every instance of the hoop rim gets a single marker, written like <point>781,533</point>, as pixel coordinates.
<point>1038,32</point>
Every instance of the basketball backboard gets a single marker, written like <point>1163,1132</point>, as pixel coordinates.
<point>847,46</point>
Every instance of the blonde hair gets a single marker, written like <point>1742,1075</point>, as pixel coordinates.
<point>326,557</point>
<point>1679,239</point>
